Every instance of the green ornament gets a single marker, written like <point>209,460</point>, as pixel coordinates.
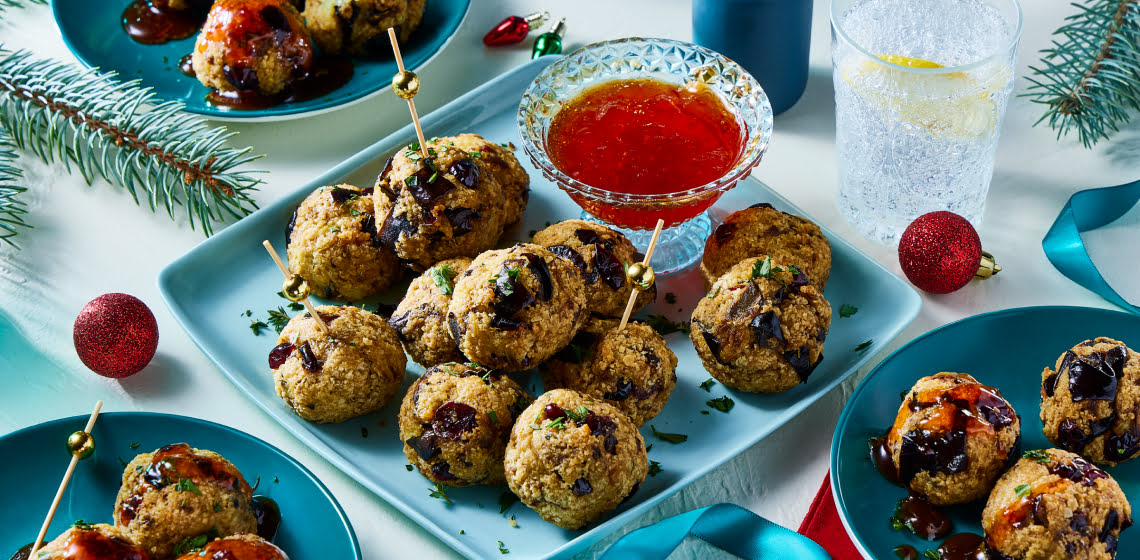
<point>549,42</point>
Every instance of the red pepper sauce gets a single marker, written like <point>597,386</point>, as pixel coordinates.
<point>646,137</point>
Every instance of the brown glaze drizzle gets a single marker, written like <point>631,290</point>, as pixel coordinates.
<point>922,518</point>
<point>906,552</point>
<point>328,74</point>
<point>24,552</point>
<point>173,463</point>
<point>186,66</point>
<point>881,456</point>
<point>268,517</point>
<point>89,544</point>
<point>232,549</point>
<point>151,22</point>
<point>963,546</point>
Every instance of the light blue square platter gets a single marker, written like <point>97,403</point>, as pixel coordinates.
<point>209,289</point>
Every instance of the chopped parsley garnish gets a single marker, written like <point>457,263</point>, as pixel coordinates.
<point>217,507</point>
<point>278,319</point>
<point>193,543</point>
<point>556,424</point>
<point>723,404</point>
<point>713,293</point>
<point>275,480</point>
<point>898,524</point>
<point>578,413</point>
<point>247,313</point>
<point>671,438</point>
<point>475,155</point>
<point>333,229</point>
<point>654,468</point>
<point>134,445</point>
<point>1037,455</point>
<point>439,492</point>
<point>506,500</point>
<point>462,532</point>
<point>443,275</point>
<point>847,310</point>
<point>494,417</point>
<point>187,485</point>
<point>864,345</point>
<point>256,326</point>
<point>83,525</point>
<point>670,298</point>
<point>408,468</point>
<point>353,212</point>
<point>122,462</point>
<point>707,384</point>
<point>296,306</point>
<point>704,411</point>
<point>363,431</point>
<point>764,268</point>
<point>932,555</point>
<point>502,548</point>
<point>412,152</point>
<point>1022,490</point>
<point>664,326</point>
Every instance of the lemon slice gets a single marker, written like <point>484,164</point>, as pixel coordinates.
<point>952,105</point>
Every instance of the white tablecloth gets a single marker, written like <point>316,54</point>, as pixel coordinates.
<point>92,240</point>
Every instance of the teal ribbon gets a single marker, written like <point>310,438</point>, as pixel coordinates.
<point>728,527</point>
<point>1085,211</point>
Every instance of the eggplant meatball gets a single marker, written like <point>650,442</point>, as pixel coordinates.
<point>178,492</point>
<point>762,230</point>
<point>420,319</point>
<point>515,308</point>
<point>1089,404</point>
<point>86,541</point>
<point>572,458</point>
<point>952,438</point>
<point>632,369</point>
<point>601,256</point>
<point>360,27</point>
<point>455,203</point>
<point>332,242</point>
<point>354,369</point>
<point>761,329</point>
<point>242,546</point>
<point>1055,505</point>
<point>455,421</point>
<point>252,45</point>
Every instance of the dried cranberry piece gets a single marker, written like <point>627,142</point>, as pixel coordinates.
<point>426,445</point>
<point>507,323</point>
<point>467,173</point>
<point>587,236</point>
<point>724,232</point>
<point>542,272</point>
<point>995,410</point>
<point>581,487</point>
<point>367,191</point>
<point>651,358</point>
<point>393,226</point>
<point>368,226</point>
<point>340,195</point>
<point>384,172</point>
<point>309,360</point>
<point>399,322</point>
<point>553,411</point>
<point>610,444</point>
<point>801,362</point>
<point>761,205</point>
<point>442,471</point>
<point>511,296</point>
<point>799,279</point>
<point>424,188</point>
<point>1110,544</point>
<point>453,328</point>
<point>714,345</point>
<point>576,259</point>
<point>642,394</point>
<point>767,325</point>
<point>1079,522</point>
<point>241,77</point>
<point>461,220</point>
<point>923,450</point>
<point>1049,386</point>
<point>1071,437</point>
<point>609,267</point>
<point>1040,515</point>
<point>279,354</point>
<point>289,228</point>
<point>1119,447</point>
<point>452,418</point>
<point>746,302</point>
<point>624,388</point>
<point>1110,524</point>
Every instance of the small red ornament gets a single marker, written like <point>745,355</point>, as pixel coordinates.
<point>940,252</point>
<point>513,29</point>
<point>115,335</point>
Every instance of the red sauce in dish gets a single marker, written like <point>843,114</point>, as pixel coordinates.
<point>646,137</point>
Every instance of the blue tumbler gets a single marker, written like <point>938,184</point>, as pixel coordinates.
<point>769,38</point>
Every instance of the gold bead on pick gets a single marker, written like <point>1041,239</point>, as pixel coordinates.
<point>641,275</point>
<point>406,84</point>
<point>295,288</point>
<point>80,444</point>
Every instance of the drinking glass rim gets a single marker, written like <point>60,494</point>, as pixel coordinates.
<point>1011,44</point>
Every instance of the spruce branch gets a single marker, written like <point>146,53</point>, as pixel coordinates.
<point>118,131</point>
<point>12,208</point>
<point>19,3</point>
<point>1089,78</point>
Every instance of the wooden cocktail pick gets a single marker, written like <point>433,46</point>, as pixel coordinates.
<point>295,288</point>
<point>81,446</point>
<point>406,85</point>
<point>641,275</point>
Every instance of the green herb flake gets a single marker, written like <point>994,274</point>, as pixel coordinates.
<point>707,384</point>
<point>83,525</point>
<point>440,493</point>
<point>713,293</point>
<point>762,268</point>
<point>932,555</point>
<point>670,298</point>
<point>654,468</point>
<point>408,468</point>
<point>664,326</point>
<point>256,327</point>
<point>864,345</point>
<point>122,462</point>
<point>217,507</point>
<point>704,412</point>
<point>506,500</point>
<point>296,306</point>
<point>898,525</point>
<point>847,310</point>
<point>723,404</point>
<point>475,155</point>
<point>134,445</point>
<point>502,548</point>
<point>247,313</point>
<point>278,318</point>
<point>671,438</point>
<point>1037,455</point>
<point>353,212</point>
<point>494,417</point>
<point>462,532</point>
<point>443,275</point>
<point>187,485</point>
<point>275,481</point>
<point>1022,490</point>
<point>189,544</point>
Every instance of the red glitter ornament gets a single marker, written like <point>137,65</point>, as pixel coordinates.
<point>940,252</point>
<point>115,335</point>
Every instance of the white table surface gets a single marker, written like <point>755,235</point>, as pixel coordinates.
<point>92,240</point>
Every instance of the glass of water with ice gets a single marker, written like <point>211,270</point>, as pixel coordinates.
<point>921,88</point>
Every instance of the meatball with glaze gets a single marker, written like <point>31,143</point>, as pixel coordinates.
<point>252,45</point>
<point>242,546</point>
<point>360,27</point>
<point>87,541</point>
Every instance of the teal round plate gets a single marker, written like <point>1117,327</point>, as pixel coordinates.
<point>312,523</point>
<point>93,31</point>
<point>1004,349</point>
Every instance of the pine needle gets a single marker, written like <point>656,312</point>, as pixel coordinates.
<point>1089,78</point>
<point>19,3</point>
<point>12,208</point>
<point>101,127</point>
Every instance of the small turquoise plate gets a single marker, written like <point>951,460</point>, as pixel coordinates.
<point>94,33</point>
<point>312,524</point>
<point>209,289</point>
<point>1004,349</point>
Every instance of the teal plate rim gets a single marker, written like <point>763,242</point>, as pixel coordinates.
<point>168,281</point>
<point>67,423</point>
<point>848,409</point>
<point>415,58</point>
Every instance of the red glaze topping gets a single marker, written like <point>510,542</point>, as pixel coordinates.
<point>175,462</point>
<point>237,549</point>
<point>89,544</point>
<point>251,29</point>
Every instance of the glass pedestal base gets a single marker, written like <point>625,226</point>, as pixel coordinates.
<point>678,247</point>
